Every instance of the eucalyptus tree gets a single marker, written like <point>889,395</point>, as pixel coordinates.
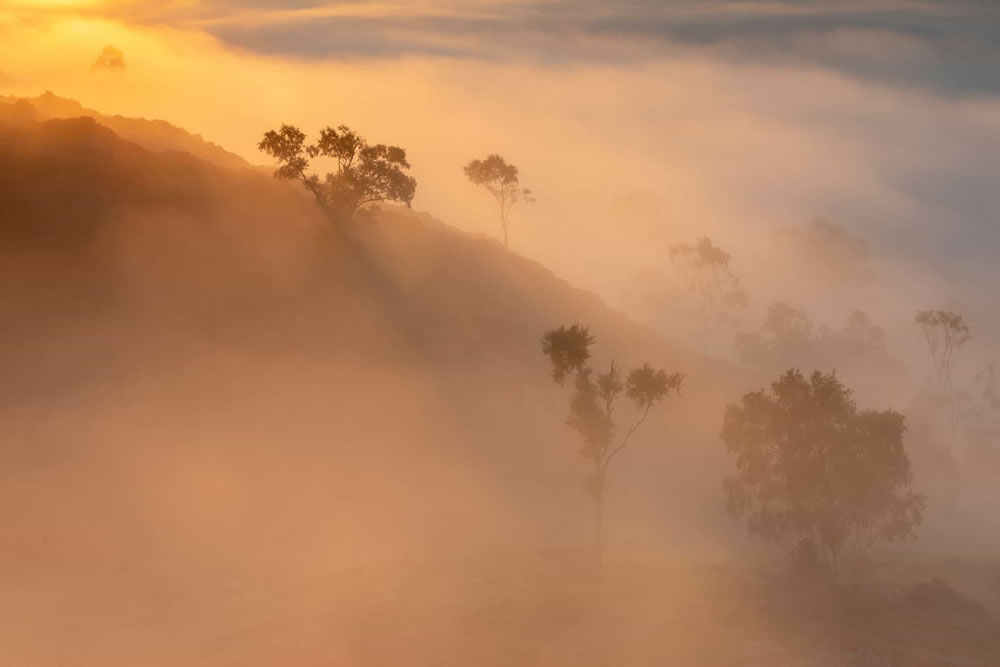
<point>500,178</point>
<point>593,403</point>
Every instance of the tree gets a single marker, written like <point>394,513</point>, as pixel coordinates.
<point>110,58</point>
<point>984,421</point>
<point>501,180</point>
<point>592,405</point>
<point>946,334</point>
<point>860,348</point>
<point>815,473</point>
<point>789,337</point>
<point>365,174</point>
<point>705,271</point>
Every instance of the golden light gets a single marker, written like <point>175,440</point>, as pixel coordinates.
<point>55,4</point>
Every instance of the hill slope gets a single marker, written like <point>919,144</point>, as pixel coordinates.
<point>159,269</point>
<point>156,135</point>
<point>75,187</point>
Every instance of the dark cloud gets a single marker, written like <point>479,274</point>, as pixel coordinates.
<point>952,47</point>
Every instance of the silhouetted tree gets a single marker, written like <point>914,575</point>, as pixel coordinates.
<point>109,58</point>
<point>816,473</point>
<point>501,180</point>
<point>365,174</point>
<point>592,405</point>
<point>984,421</point>
<point>704,269</point>
<point>946,334</point>
<point>789,338</point>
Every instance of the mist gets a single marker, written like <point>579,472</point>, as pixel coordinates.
<point>235,433</point>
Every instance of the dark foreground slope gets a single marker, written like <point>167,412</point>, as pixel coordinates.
<point>230,436</point>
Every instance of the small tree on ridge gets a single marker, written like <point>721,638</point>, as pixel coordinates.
<point>501,180</point>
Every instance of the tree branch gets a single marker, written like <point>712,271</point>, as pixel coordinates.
<point>645,413</point>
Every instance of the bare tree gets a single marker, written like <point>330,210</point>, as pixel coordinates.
<point>365,174</point>
<point>592,405</point>
<point>501,180</point>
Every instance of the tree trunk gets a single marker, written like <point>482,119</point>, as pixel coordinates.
<point>599,518</point>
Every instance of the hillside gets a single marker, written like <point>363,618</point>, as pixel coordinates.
<point>155,268</point>
<point>81,190</point>
<point>236,437</point>
<point>155,135</point>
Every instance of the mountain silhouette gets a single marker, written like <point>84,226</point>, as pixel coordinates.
<point>156,135</point>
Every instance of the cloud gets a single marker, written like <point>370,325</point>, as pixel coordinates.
<point>110,58</point>
<point>945,46</point>
<point>951,47</point>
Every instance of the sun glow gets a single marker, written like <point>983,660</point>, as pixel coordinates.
<point>56,4</point>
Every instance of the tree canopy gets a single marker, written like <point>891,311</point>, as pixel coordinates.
<point>813,471</point>
<point>365,174</point>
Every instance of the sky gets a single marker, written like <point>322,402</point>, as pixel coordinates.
<point>638,124</point>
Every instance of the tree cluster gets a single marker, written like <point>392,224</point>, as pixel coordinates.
<point>367,174</point>
<point>789,338</point>
<point>813,472</point>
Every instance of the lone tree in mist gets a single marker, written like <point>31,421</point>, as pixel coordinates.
<point>592,405</point>
<point>501,180</point>
<point>946,334</point>
<point>816,474</point>
<point>365,174</point>
<point>704,269</point>
<point>984,421</point>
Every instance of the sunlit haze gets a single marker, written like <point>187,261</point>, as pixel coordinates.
<point>249,418</point>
